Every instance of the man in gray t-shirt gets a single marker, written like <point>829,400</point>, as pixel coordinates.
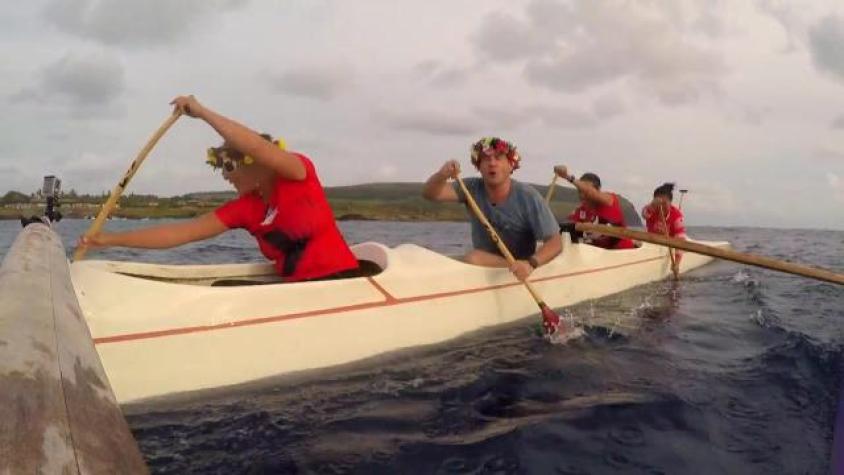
<point>517,211</point>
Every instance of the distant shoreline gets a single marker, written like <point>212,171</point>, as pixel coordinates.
<point>369,202</point>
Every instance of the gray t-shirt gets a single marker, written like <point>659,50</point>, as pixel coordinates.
<point>521,220</point>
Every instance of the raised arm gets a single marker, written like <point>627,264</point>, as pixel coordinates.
<point>245,140</point>
<point>161,237</point>
<point>586,189</point>
<point>437,187</point>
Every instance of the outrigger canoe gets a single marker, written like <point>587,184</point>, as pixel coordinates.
<point>166,329</point>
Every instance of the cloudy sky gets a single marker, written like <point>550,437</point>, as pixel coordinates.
<point>741,102</point>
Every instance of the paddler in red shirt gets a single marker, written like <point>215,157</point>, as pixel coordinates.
<point>280,202</point>
<point>596,206</point>
<point>662,217</point>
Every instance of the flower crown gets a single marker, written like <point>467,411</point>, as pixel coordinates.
<point>229,158</point>
<point>495,146</point>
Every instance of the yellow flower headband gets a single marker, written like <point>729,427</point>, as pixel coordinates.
<point>229,158</point>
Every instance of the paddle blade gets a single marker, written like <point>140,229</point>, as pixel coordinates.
<point>551,322</point>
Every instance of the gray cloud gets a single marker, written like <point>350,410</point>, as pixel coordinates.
<point>497,118</point>
<point>130,22</point>
<point>563,117</point>
<point>755,115</point>
<point>825,41</point>
<point>433,123</point>
<point>608,106</point>
<point>88,84</point>
<point>558,117</point>
<point>486,118</point>
<point>504,38</point>
<point>588,44</point>
<point>314,83</point>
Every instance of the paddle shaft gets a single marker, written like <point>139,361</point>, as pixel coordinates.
<point>496,238</point>
<point>670,249</point>
<point>550,191</point>
<point>97,225</point>
<point>760,261</point>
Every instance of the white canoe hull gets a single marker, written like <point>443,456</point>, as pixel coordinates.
<point>157,338</point>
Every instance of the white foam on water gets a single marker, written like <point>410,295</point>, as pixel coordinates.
<point>564,336</point>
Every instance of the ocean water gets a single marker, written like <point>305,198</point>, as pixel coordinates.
<point>733,370</point>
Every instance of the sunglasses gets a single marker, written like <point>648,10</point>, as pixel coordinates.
<point>223,157</point>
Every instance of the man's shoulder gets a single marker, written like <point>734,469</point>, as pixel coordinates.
<point>525,190</point>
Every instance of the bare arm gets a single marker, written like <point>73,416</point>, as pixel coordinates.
<point>437,187</point>
<point>590,192</point>
<point>549,249</point>
<point>245,140</point>
<point>163,236</point>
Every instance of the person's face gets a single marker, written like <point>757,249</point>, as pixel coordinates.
<point>241,178</point>
<point>583,198</point>
<point>661,202</point>
<point>495,169</point>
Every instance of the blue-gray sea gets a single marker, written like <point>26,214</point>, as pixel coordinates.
<point>733,370</point>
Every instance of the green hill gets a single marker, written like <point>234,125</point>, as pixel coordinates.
<point>403,201</point>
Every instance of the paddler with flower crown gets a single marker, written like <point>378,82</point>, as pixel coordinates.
<point>517,211</point>
<point>280,202</point>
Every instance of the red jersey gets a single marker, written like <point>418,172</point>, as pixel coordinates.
<point>296,229</point>
<point>611,215</point>
<point>674,220</point>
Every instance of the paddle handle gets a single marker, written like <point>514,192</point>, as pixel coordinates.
<point>97,225</point>
<point>751,259</point>
<point>551,187</point>
<point>495,237</point>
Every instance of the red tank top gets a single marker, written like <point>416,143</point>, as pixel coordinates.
<point>296,230</point>
<point>612,215</point>
<point>674,220</point>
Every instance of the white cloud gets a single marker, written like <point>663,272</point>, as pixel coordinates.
<point>788,17</point>
<point>578,46</point>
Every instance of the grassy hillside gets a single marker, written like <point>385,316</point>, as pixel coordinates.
<point>403,201</point>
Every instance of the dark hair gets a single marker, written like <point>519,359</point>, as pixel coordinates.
<point>665,189</point>
<point>591,178</point>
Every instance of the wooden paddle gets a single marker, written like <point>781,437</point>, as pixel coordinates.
<point>550,320</point>
<point>97,225</point>
<point>674,268</point>
<point>760,261</point>
<point>550,191</point>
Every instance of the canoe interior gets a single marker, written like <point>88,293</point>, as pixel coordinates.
<point>260,277</point>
